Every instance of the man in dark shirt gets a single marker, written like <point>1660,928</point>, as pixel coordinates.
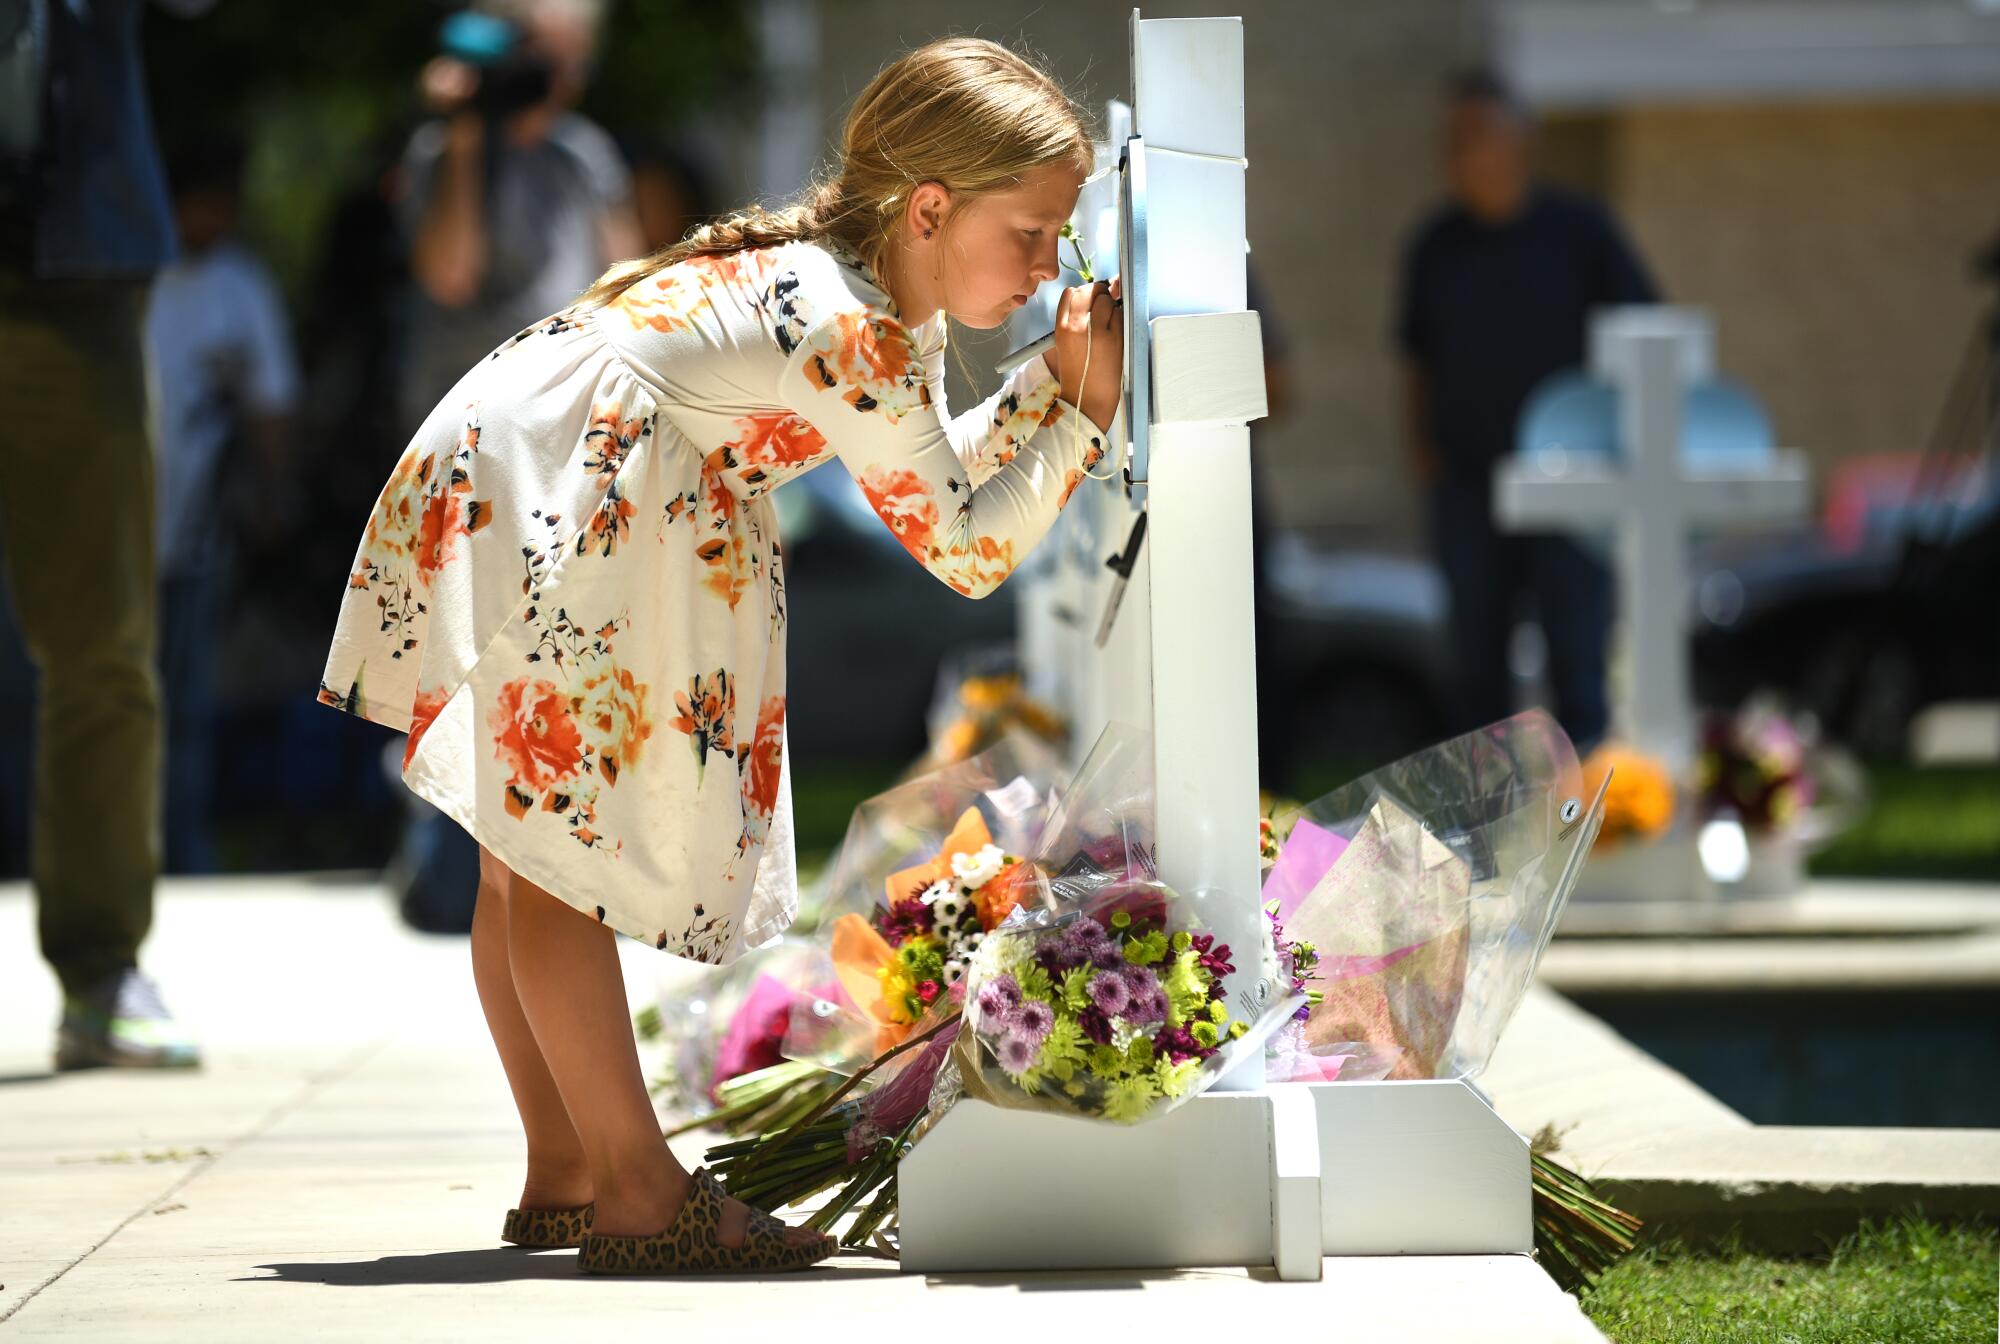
<point>1498,285</point>
<point>84,224</point>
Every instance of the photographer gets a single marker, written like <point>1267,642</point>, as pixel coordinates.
<point>513,202</point>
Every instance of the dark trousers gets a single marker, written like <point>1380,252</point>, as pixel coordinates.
<point>76,530</point>
<point>1491,576</point>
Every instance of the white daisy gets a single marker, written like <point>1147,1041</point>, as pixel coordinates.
<point>936,892</point>
<point>976,870</point>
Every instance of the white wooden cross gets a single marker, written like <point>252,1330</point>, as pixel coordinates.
<point>1243,1174</point>
<point>1653,497</point>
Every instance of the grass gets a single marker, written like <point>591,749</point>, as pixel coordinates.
<point>1936,822</point>
<point>1907,1280</point>
<point>824,798</point>
<point>1940,822</point>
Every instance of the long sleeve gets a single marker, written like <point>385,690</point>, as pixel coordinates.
<point>968,498</point>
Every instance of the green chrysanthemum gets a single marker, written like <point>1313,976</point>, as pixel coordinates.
<point>1128,1099</point>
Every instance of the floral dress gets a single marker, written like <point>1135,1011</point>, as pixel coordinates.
<point>570,594</point>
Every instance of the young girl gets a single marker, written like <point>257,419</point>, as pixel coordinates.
<point>570,594</point>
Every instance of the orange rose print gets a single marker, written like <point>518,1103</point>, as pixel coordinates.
<point>612,714</point>
<point>666,301</point>
<point>534,735</point>
<point>776,438</point>
<point>903,500</point>
<point>985,567</point>
<point>874,359</point>
<point>429,705</point>
<point>446,519</point>
<point>760,792</point>
<point>729,564</point>
<point>392,529</point>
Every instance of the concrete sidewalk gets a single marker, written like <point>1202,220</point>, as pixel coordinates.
<point>339,1169</point>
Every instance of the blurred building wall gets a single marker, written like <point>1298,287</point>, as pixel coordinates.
<point>1830,234</point>
<point>1832,240</point>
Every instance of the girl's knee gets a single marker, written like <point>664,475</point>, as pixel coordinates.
<point>494,877</point>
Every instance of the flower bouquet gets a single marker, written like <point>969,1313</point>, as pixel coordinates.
<point>753,1046</point>
<point>1102,993</point>
<point>1427,891</point>
<point>1766,771</point>
<point>926,871</point>
<point>722,1032</point>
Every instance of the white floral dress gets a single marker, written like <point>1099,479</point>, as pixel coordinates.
<point>570,593</point>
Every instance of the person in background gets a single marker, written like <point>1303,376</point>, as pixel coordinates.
<point>84,224</point>
<point>514,202</point>
<point>669,190</point>
<point>1497,288</point>
<point>225,385</point>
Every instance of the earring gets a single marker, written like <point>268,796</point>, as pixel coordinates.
<point>927,233</point>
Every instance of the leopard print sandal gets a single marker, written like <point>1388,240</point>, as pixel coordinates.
<point>693,1245</point>
<point>539,1228</point>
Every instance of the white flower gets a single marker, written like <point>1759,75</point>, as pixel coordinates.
<point>954,971</point>
<point>976,870</point>
<point>949,909</point>
<point>936,892</point>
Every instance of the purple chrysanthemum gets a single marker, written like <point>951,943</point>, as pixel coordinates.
<point>1032,1018</point>
<point>1017,1053</point>
<point>1145,1009</point>
<point>998,996</point>
<point>1088,932</point>
<point>1140,980</point>
<point>1110,994</point>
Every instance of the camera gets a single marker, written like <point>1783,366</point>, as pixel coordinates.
<point>512,75</point>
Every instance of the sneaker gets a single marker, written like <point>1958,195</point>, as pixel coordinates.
<point>122,1023</point>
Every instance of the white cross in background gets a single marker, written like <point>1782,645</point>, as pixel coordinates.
<point>1652,498</point>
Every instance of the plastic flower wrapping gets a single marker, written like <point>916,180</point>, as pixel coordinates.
<point>714,1025</point>
<point>1110,1001</point>
<point>1424,894</point>
<point>926,871</point>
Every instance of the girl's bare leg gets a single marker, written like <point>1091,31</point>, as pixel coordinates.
<point>573,993</point>
<point>558,1175</point>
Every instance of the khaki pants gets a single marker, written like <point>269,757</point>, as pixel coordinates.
<point>76,532</point>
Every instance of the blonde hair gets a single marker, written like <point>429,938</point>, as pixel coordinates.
<point>963,112</point>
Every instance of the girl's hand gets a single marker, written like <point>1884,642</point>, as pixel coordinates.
<point>1090,322</point>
